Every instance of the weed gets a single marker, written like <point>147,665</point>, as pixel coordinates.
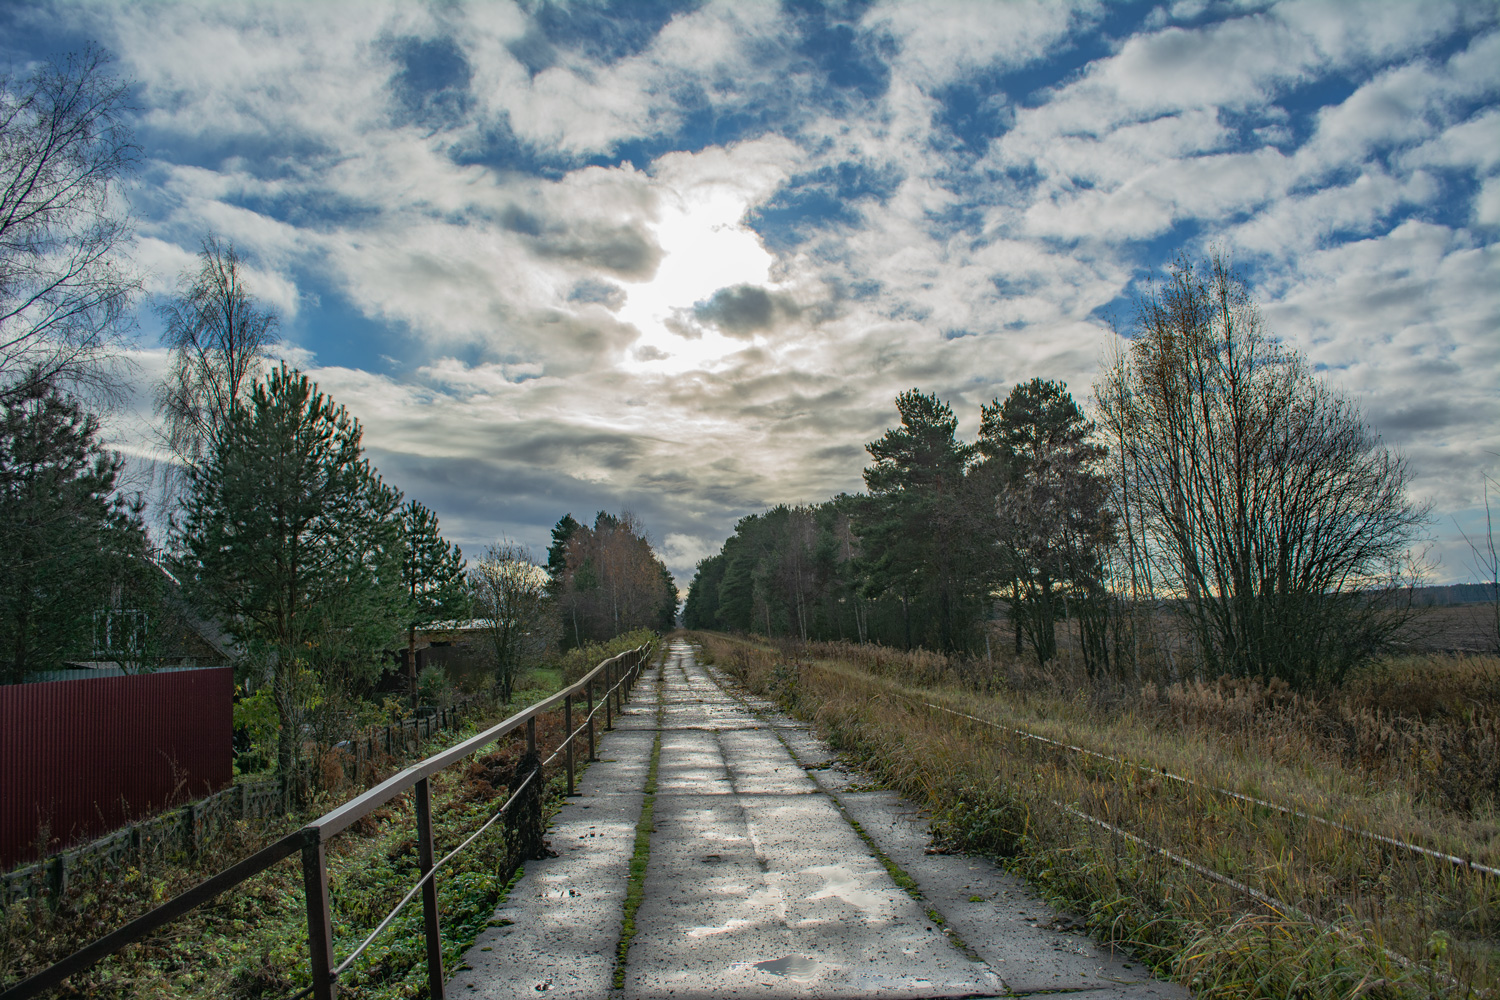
<point>640,859</point>
<point>1365,755</point>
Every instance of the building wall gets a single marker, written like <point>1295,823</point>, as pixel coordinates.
<point>79,758</point>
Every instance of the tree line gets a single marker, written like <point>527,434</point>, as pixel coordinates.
<point>281,533</point>
<point>1224,511</point>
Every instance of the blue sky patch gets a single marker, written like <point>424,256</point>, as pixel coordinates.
<point>546,251</point>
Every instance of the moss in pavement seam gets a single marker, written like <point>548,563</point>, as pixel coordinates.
<point>635,886</point>
<point>897,873</point>
<point>906,882</point>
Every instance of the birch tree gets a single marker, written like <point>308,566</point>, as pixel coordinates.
<point>66,285</point>
<point>510,600</point>
<point>1258,497</point>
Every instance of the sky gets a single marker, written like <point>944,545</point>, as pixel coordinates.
<point>680,258</point>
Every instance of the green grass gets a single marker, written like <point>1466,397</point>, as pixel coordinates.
<point>251,942</point>
<point>640,858</point>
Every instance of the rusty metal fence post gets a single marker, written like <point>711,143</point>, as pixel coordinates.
<point>568,728</point>
<point>319,926</point>
<point>423,794</point>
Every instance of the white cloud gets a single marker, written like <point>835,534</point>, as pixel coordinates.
<point>1474,143</point>
<point>959,270</point>
<point>1405,321</point>
<point>1377,29</point>
<point>1487,203</point>
<point>1230,64</point>
<point>941,40</point>
<point>1304,221</point>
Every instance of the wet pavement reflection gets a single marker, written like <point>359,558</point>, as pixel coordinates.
<point>757,883</point>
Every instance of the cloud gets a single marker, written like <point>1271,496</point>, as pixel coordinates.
<point>686,549</point>
<point>939,42</point>
<point>1473,144</point>
<point>1487,203</point>
<point>682,257</point>
<point>605,293</point>
<point>1400,321</point>
<point>744,310</point>
<point>627,251</point>
<point>1383,29</point>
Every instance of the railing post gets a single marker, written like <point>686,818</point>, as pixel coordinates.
<point>609,696</point>
<point>319,928</point>
<point>592,756</point>
<point>531,735</point>
<point>429,891</point>
<point>568,729</point>
<point>190,818</point>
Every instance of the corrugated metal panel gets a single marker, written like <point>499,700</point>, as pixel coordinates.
<point>79,758</point>
<point>84,673</point>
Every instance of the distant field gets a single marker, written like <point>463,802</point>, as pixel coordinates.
<point>1457,628</point>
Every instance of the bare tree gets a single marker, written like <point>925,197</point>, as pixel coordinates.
<point>65,287</point>
<point>608,578</point>
<point>511,603</point>
<point>220,340</point>
<point>1254,495</point>
<point>1485,564</point>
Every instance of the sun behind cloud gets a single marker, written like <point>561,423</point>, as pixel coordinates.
<point>680,258</point>
<point>704,201</point>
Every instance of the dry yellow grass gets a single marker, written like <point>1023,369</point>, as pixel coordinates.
<point>1360,916</point>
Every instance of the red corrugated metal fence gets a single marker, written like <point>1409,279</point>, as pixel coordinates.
<point>81,758</point>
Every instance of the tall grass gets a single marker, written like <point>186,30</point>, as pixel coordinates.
<point>1361,917</point>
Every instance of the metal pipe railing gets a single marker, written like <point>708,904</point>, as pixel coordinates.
<point>312,839</point>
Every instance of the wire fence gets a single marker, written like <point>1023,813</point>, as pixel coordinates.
<point>611,679</point>
<point>1396,842</point>
<point>1274,905</point>
<point>193,824</point>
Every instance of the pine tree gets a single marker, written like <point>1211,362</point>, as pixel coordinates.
<point>293,542</point>
<point>1052,519</point>
<point>918,521</point>
<point>72,542</point>
<point>432,574</point>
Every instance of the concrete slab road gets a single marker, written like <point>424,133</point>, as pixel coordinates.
<point>758,882</point>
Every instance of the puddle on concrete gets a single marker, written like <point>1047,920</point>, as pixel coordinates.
<point>728,927</point>
<point>842,883</point>
<point>794,967</point>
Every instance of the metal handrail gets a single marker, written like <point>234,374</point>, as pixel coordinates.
<point>431,874</point>
<point>311,839</point>
<point>340,818</point>
<point>411,894</point>
<point>173,908</point>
